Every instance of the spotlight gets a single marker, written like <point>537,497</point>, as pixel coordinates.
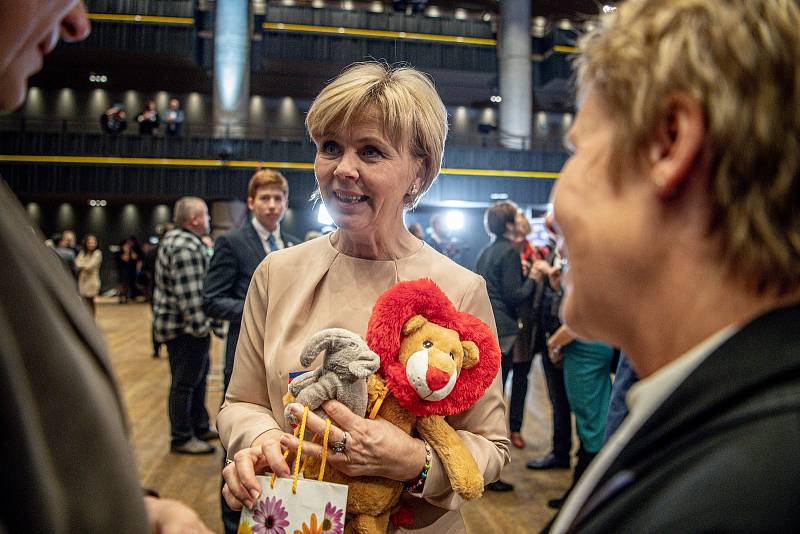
<point>499,196</point>
<point>496,99</point>
<point>609,8</point>
<point>454,220</point>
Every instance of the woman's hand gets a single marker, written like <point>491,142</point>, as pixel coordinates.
<point>241,486</point>
<point>372,448</point>
<point>562,336</point>
<point>555,279</point>
<point>166,516</point>
<point>539,270</point>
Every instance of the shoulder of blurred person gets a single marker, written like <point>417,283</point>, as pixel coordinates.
<point>73,489</point>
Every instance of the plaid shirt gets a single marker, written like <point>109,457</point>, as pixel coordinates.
<point>181,266</point>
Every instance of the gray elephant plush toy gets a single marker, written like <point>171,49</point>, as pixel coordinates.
<point>343,374</point>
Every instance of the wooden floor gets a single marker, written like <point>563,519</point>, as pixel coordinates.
<point>195,480</point>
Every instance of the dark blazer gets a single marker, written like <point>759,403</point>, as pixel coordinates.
<point>722,454</point>
<point>69,466</point>
<point>500,266</point>
<point>236,256</point>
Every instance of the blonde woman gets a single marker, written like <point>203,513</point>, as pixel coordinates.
<point>380,134</point>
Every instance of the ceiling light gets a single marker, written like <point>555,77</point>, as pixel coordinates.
<point>609,8</point>
<point>461,14</point>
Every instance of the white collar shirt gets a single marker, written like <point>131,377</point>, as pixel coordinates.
<point>263,234</point>
<point>643,399</point>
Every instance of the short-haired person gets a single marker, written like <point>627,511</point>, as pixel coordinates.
<point>379,132</point>
<point>62,417</point>
<point>238,253</point>
<point>181,324</point>
<point>680,217</point>
<point>500,266</point>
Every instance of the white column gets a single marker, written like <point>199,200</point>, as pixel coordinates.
<point>232,30</point>
<point>514,53</point>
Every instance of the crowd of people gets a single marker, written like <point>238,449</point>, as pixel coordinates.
<point>677,240</point>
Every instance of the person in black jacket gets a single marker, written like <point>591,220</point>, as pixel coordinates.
<point>679,220</point>
<point>500,265</point>
<point>236,256</point>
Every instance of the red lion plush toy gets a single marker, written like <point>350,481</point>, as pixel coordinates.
<point>435,361</point>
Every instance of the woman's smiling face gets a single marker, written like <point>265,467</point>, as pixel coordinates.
<point>363,178</point>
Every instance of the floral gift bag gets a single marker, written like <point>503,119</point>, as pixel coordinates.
<point>297,505</point>
<point>316,508</point>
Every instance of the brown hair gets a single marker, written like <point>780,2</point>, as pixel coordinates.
<point>498,215</point>
<point>267,178</point>
<point>739,60</point>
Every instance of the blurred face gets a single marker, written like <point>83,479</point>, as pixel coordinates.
<point>602,222</point>
<point>69,239</point>
<point>173,104</point>
<point>363,179</point>
<point>200,222</point>
<point>268,206</point>
<point>30,29</point>
<point>91,243</point>
<point>522,227</point>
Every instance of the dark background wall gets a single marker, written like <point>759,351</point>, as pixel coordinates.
<point>117,221</point>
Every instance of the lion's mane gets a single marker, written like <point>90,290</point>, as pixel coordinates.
<point>384,333</point>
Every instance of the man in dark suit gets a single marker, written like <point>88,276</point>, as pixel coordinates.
<point>680,218</point>
<point>71,468</point>
<point>238,253</point>
<point>236,256</point>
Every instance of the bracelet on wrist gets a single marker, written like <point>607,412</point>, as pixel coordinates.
<point>416,486</point>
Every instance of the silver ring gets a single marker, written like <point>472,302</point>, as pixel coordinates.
<point>339,446</point>
<point>228,461</point>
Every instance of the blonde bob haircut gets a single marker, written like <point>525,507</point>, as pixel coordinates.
<point>404,102</point>
<point>740,61</point>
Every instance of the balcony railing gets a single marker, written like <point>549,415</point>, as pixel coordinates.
<point>24,125</point>
<point>160,8</point>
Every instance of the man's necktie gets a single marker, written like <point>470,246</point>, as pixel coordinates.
<point>272,242</point>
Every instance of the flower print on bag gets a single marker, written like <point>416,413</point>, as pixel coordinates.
<point>312,528</point>
<point>269,517</point>
<point>332,520</point>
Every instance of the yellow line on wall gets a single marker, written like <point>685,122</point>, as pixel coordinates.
<point>361,32</point>
<point>108,17</point>
<point>564,49</point>
<point>170,162</point>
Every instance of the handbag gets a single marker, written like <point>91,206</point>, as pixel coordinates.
<point>297,504</point>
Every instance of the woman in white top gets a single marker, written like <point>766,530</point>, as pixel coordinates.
<point>88,263</point>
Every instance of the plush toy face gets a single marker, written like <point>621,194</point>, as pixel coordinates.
<point>433,357</point>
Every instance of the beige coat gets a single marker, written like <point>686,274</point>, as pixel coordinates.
<point>89,272</point>
<point>297,292</point>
